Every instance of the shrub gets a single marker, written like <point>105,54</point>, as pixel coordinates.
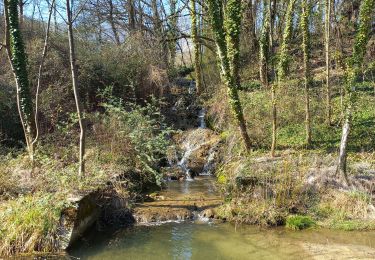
<point>145,129</point>
<point>250,86</point>
<point>298,222</point>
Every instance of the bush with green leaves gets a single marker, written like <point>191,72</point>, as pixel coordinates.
<point>145,129</point>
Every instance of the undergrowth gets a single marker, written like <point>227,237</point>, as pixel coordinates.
<point>124,147</point>
<point>298,189</point>
<point>30,223</point>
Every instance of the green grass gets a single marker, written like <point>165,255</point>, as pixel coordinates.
<point>29,223</point>
<point>351,225</point>
<point>299,222</point>
<point>344,210</point>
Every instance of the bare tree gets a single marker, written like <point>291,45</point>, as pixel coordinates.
<point>44,54</point>
<point>305,21</point>
<point>194,35</point>
<point>74,71</point>
<point>327,30</point>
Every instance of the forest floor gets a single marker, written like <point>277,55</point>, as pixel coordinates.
<point>299,186</point>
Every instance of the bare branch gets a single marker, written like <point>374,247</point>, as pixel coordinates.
<point>79,11</point>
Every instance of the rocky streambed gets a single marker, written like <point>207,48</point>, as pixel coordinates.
<point>181,201</point>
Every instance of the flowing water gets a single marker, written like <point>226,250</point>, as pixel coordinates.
<point>201,117</point>
<point>225,241</point>
<point>208,240</point>
<point>166,229</point>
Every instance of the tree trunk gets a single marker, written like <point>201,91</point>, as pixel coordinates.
<point>18,61</point>
<point>21,5</point>
<point>352,73</point>
<point>271,21</point>
<point>339,43</point>
<point>194,35</point>
<point>131,11</point>
<point>341,165</point>
<point>111,21</point>
<point>173,29</point>
<point>229,45</point>
<point>250,25</point>
<point>158,29</point>
<point>328,59</point>
<point>306,60</point>
<point>282,68</point>
<point>56,26</point>
<point>99,22</point>
<point>44,54</point>
<point>264,46</point>
<point>274,120</point>
<point>73,68</point>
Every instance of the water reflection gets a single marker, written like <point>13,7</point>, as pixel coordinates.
<point>200,185</point>
<point>182,242</point>
<point>225,241</point>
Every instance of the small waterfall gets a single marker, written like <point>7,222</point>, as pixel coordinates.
<point>201,117</point>
<point>199,153</point>
<point>184,160</point>
<point>190,147</point>
<point>194,153</point>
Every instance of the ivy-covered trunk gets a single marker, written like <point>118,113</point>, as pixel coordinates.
<point>264,46</point>
<point>352,75</point>
<point>226,32</point>
<point>281,68</point>
<point>305,18</point>
<point>18,60</point>
<point>194,36</point>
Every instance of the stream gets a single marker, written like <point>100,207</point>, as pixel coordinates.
<point>225,241</point>
<point>202,239</point>
<point>173,225</point>
<point>197,239</point>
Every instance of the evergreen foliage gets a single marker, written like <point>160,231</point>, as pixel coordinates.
<point>19,64</point>
<point>226,30</point>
